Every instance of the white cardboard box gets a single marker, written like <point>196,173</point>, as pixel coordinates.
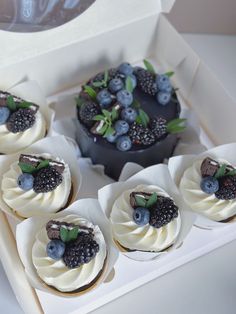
<point>106,34</point>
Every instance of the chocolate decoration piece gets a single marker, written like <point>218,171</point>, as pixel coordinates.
<point>35,161</point>
<point>209,167</point>
<point>145,195</point>
<point>97,126</point>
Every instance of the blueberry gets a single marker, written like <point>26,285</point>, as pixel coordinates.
<point>209,185</point>
<point>104,98</point>
<point>123,143</point>
<point>121,127</point>
<point>56,249</point>
<point>125,98</point>
<point>4,115</point>
<point>129,114</point>
<point>133,80</point>
<point>163,82</point>
<point>116,85</point>
<point>112,138</point>
<point>126,69</point>
<point>163,98</point>
<point>141,216</point>
<point>25,181</point>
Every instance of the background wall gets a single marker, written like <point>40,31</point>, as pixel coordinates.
<point>204,16</point>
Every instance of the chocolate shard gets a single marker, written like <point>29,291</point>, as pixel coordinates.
<point>97,127</point>
<point>209,167</point>
<point>59,166</point>
<point>144,195</point>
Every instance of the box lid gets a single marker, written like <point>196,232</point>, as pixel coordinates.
<point>100,17</point>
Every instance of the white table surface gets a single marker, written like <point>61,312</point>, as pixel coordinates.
<point>204,286</point>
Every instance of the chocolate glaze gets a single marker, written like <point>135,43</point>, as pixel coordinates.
<point>102,152</point>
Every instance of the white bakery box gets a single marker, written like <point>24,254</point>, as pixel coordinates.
<point>60,59</point>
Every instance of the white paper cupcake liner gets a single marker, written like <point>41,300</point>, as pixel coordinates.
<point>177,166</point>
<point>56,146</point>
<point>157,175</point>
<point>85,208</point>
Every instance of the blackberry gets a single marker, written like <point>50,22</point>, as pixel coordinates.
<point>140,135</point>
<point>158,127</point>
<point>147,82</point>
<point>47,180</point>
<point>87,112</point>
<point>80,251</point>
<point>227,190</point>
<point>113,73</point>
<point>163,212</point>
<point>21,120</point>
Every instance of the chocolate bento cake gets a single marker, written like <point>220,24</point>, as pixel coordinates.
<point>36,185</point>
<point>69,254</point>
<point>128,114</point>
<point>21,123</point>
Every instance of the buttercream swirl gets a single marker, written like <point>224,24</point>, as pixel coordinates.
<point>201,202</point>
<point>56,273</point>
<point>142,238</point>
<point>28,203</point>
<point>14,142</point>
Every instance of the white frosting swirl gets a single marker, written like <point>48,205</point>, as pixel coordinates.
<point>141,238</point>
<point>56,273</point>
<point>14,142</point>
<point>28,203</point>
<point>201,202</point>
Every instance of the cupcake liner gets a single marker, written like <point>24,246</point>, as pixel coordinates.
<point>177,166</point>
<point>155,175</point>
<point>30,91</point>
<point>26,231</point>
<point>57,146</point>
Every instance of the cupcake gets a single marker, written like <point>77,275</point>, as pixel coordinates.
<point>128,114</point>
<point>21,123</point>
<point>209,187</point>
<point>147,215</point>
<point>68,253</point>
<point>36,184</point>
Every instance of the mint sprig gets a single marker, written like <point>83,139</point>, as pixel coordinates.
<point>142,118</point>
<point>129,84</point>
<point>11,103</point>
<point>146,202</point>
<point>90,91</point>
<point>67,235</point>
<point>25,105</point>
<point>104,82</point>
<point>108,117</point>
<point>176,126</point>
<point>223,171</point>
<point>170,73</point>
<point>149,66</point>
<point>27,168</point>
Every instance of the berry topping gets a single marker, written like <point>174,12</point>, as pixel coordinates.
<point>116,85</point>
<point>47,180</point>
<point>25,181</point>
<point>209,185</point>
<point>227,190</point>
<point>123,143</point>
<point>163,83</point>
<point>159,127</point>
<point>163,98</point>
<point>126,69</point>
<point>140,135</point>
<point>121,127</point>
<point>163,212</point>
<point>209,167</point>
<point>104,98</point>
<point>141,216</point>
<point>147,82</point>
<point>129,114</point>
<point>56,249</point>
<point>80,251</point>
<point>4,115</point>
<point>125,98</point>
<point>87,112</point>
<point>21,120</point>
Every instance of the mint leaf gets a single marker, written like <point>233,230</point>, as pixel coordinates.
<point>90,91</point>
<point>149,66</point>
<point>169,74</point>
<point>98,84</point>
<point>98,117</point>
<point>144,117</point>
<point>109,131</point>
<point>43,164</point>
<point>64,234</point>
<point>152,200</point>
<point>114,114</point>
<point>140,201</point>
<point>11,103</point>
<point>231,172</point>
<point>103,129</point>
<point>26,168</point>
<point>25,104</point>
<point>79,101</point>
<point>136,104</point>
<point>106,113</point>
<point>106,77</point>
<point>129,84</point>
<point>72,234</point>
<point>221,171</point>
<point>176,126</point>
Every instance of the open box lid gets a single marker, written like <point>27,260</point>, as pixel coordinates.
<point>102,16</point>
